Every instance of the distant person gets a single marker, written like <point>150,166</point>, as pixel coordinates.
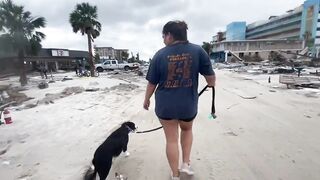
<point>43,71</point>
<point>81,69</point>
<point>174,73</point>
<point>76,67</point>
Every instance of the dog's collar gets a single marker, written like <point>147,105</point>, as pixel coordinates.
<point>130,130</point>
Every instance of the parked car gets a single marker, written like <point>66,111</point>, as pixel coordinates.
<point>115,64</point>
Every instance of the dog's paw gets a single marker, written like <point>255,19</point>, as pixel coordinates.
<point>120,177</point>
<point>126,154</point>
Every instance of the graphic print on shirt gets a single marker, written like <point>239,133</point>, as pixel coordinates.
<point>179,71</point>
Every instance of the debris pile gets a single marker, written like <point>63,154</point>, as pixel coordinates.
<point>9,94</point>
<point>43,85</point>
<point>295,81</point>
<point>127,76</point>
<point>93,87</point>
<point>50,98</point>
<point>72,90</point>
<point>124,87</point>
<point>292,76</point>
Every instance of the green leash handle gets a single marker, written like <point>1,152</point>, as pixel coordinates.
<point>213,108</point>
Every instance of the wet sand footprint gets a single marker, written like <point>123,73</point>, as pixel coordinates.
<point>27,175</point>
<point>215,166</point>
<point>5,146</point>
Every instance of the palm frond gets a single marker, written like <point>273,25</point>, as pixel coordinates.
<point>26,15</point>
<point>97,25</point>
<point>38,22</point>
<point>95,33</point>
<point>34,45</point>
<point>84,19</point>
<point>40,34</point>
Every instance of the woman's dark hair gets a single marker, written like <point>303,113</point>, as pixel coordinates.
<point>178,29</point>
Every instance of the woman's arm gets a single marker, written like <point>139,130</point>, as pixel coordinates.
<point>211,80</point>
<point>149,91</point>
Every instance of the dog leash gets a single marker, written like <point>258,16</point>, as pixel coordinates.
<point>149,130</point>
<point>213,109</point>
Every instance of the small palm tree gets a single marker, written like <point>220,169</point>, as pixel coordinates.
<point>207,47</point>
<point>124,55</point>
<point>18,33</point>
<point>84,19</point>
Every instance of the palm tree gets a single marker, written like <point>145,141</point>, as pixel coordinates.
<point>207,47</point>
<point>124,55</point>
<point>18,33</point>
<point>84,19</point>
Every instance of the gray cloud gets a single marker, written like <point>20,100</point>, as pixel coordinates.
<point>137,24</point>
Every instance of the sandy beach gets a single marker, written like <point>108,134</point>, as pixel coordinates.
<point>263,131</point>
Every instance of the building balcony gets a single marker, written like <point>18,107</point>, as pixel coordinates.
<point>275,32</point>
<point>257,45</point>
<point>295,21</point>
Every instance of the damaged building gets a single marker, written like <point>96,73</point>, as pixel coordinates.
<point>294,33</point>
<point>52,58</point>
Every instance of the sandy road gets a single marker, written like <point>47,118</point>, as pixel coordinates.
<point>259,134</point>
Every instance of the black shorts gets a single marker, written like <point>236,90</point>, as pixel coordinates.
<point>184,120</point>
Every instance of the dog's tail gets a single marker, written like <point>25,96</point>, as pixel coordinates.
<point>90,173</point>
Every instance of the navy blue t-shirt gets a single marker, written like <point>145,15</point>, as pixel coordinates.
<point>175,69</point>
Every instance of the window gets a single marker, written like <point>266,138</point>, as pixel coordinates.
<point>107,63</point>
<point>113,62</point>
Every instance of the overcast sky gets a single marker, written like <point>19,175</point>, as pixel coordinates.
<point>137,24</point>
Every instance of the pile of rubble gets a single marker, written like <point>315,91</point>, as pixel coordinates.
<point>125,76</point>
<point>124,87</point>
<point>295,81</point>
<point>10,94</point>
<point>66,92</point>
<point>288,75</point>
<point>50,98</point>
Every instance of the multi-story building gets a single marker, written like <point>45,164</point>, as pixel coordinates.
<point>286,26</point>
<point>110,53</point>
<point>220,36</point>
<point>300,24</point>
<point>105,52</point>
<point>120,52</point>
<point>236,31</point>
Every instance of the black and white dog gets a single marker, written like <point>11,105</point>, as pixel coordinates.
<point>112,147</point>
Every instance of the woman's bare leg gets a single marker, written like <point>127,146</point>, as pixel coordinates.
<point>186,140</point>
<point>171,131</point>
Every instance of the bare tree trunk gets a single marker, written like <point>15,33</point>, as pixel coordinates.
<point>23,75</point>
<point>90,55</point>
